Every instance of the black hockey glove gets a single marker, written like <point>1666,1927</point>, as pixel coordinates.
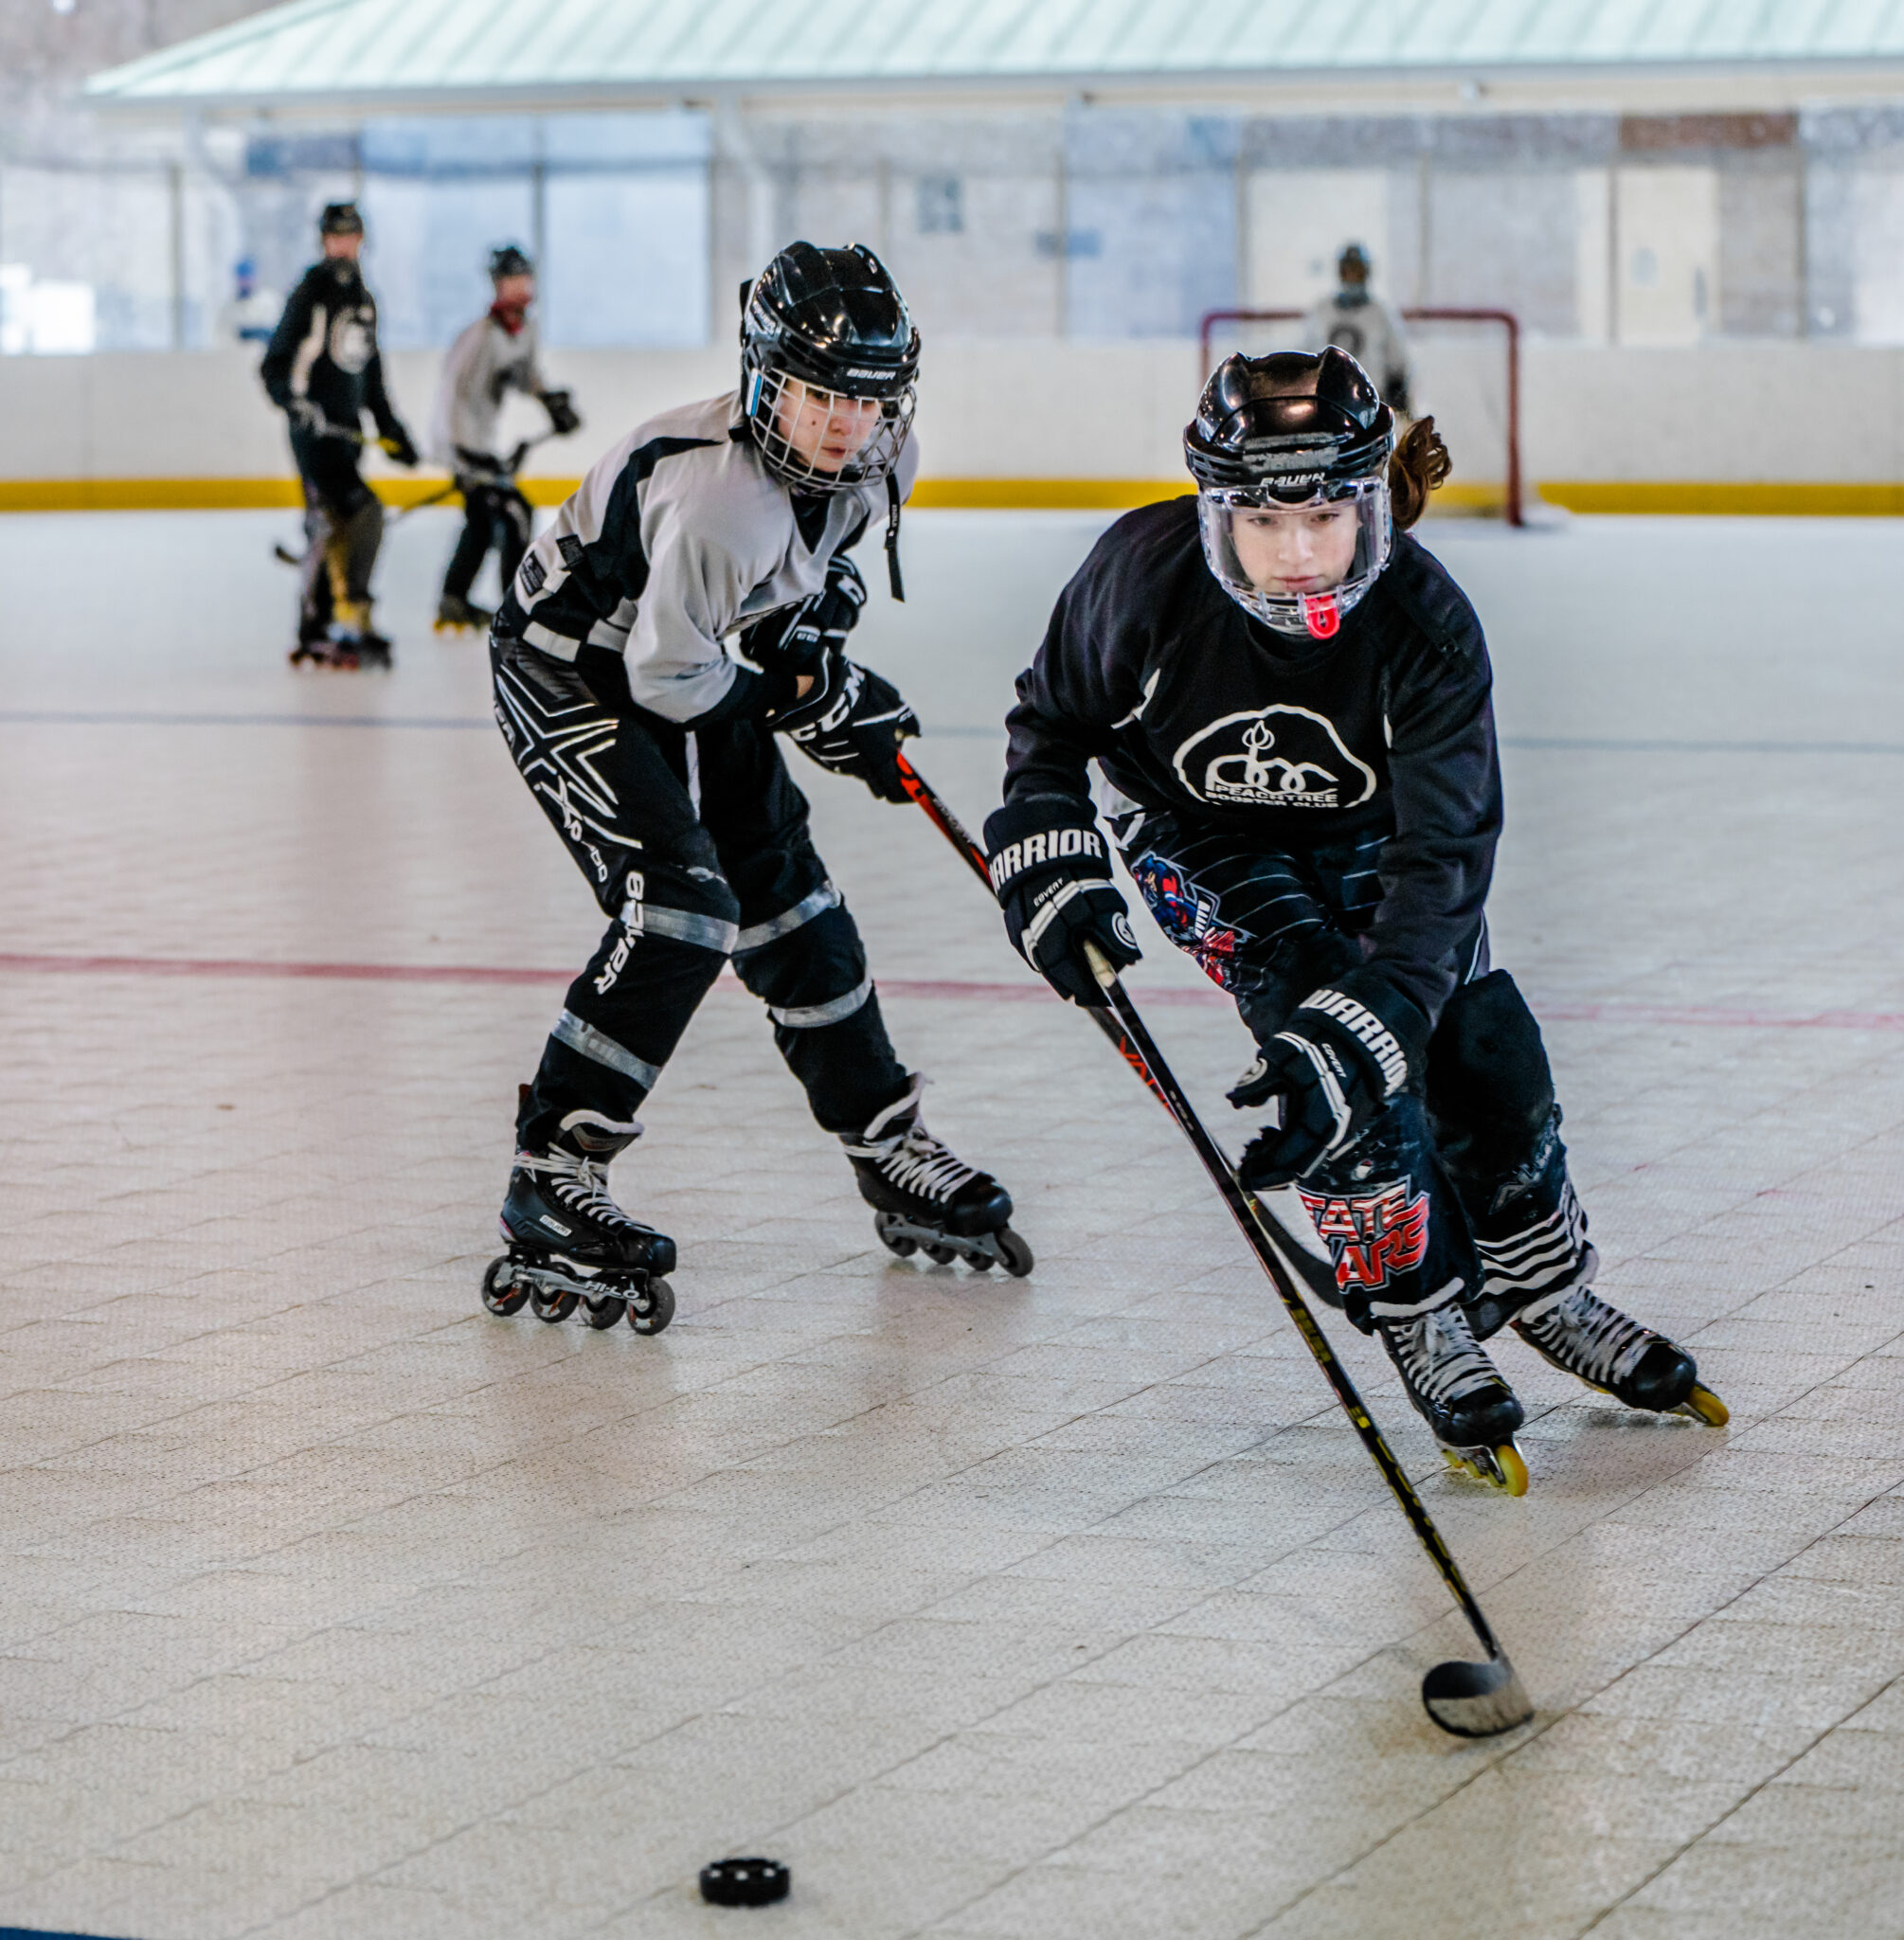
<point>797,638</point>
<point>853,722</point>
<point>397,442</point>
<point>563,416</point>
<point>1051,873</point>
<point>1335,1065</point>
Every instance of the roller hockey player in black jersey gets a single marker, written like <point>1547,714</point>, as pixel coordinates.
<point>323,370</point>
<point>655,754</point>
<point>496,354</point>
<point>1288,698</point>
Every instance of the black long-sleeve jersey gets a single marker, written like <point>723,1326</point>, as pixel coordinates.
<point>1189,705</point>
<point>325,349</point>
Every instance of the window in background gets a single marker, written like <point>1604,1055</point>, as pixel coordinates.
<point>941,206</point>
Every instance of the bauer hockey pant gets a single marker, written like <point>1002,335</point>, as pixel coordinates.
<point>1460,1190</point>
<point>342,534</point>
<point>696,847</point>
<point>494,515</point>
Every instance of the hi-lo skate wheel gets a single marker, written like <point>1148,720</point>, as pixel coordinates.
<point>894,1242</point>
<point>1704,1404</point>
<point>1017,1260</point>
<point>650,1310</point>
<point>1500,1468</point>
<point>744,1882</point>
<point>939,1256</point>
<point>603,1312</point>
<point>553,1303</point>
<point>505,1298</point>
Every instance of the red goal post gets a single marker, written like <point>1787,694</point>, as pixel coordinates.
<point>1510,327</point>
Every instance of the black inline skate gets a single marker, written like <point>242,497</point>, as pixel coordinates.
<point>569,1243</point>
<point>1584,1336</point>
<point>1459,1393</point>
<point>926,1200</point>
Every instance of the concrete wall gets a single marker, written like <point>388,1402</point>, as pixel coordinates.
<point>1107,414</point>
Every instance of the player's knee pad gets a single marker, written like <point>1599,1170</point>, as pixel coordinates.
<point>811,974</point>
<point>1490,1089</point>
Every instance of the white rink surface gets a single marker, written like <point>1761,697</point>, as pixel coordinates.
<point>334,1608</point>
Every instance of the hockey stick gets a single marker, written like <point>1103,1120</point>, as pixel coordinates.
<point>1471,1700</point>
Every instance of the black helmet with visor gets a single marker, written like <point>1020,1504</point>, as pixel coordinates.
<point>819,327</point>
<point>1290,453</point>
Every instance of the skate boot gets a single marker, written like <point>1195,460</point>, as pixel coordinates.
<point>1459,1393</point>
<point>1580,1334</point>
<point>456,614</point>
<point>319,647</point>
<point>569,1243</point>
<point>354,640</point>
<point>926,1200</point>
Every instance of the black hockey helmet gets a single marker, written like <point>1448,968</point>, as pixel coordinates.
<point>508,261</point>
<point>831,321</point>
<point>340,218</point>
<point>1296,430</point>
<point>1354,263</point>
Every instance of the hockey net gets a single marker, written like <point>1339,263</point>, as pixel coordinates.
<point>1466,374</point>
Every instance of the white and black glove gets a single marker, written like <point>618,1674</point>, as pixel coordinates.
<point>797,638</point>
<point>305,417</point>
<point>1050,871</point>
<point>1335,1064</point>
<point>563,416</point>
<point>851,720</point>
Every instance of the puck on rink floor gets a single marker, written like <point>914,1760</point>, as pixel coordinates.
<point>744,1882</point>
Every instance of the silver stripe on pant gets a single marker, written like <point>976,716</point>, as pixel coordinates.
<point>758,934</point>
<point>811,1017</point>
<point>683,926</point>
<point>571,1030</point>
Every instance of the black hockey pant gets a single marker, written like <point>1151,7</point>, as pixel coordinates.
<point>343,533</point>
<point>1460,1190</point>
<point>494,515</point>
<point>696,847</point>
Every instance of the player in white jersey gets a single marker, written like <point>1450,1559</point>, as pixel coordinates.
<point>1354,320</point>
<point>496,354</point>
<point>654,752</point>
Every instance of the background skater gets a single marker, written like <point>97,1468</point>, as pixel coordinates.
<point>1290,699</point>
<point>653,754</point>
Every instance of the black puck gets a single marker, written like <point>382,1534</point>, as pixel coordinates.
<point>744,1882</point>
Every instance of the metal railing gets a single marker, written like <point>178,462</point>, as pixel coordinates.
<point>1419,313</point>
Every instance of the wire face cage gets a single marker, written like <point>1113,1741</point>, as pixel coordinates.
<point>1470,382</point>
<point>823,440</point>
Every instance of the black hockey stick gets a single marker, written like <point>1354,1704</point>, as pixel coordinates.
<point>1472,1700</point>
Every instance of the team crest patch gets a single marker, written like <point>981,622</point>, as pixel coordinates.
<point>1371,1234</point>
<point>1274,757</point>
<point>1187,915</point>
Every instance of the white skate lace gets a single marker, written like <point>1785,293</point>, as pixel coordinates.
<point>919,1163</point>
<point>1597,1342</point>
<point>580,1185</point>
<point>1440,1355</point>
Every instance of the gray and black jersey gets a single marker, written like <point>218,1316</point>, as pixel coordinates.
<point>484,365</point>
<point>324,349</point>
<point>677,536</point>
<point>1372,333</point>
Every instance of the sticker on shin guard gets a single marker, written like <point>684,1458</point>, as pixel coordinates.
<point>1371,1234</point>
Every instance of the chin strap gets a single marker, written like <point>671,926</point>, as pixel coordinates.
<point>892,574</point>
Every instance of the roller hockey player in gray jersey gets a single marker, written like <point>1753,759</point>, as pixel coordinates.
<point>1290,700</point>
<point>1354,320</point>
<point>496,354</point>
<point>655,754</point>
<point>323,370</point>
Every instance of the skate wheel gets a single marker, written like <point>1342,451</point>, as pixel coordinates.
<point>1704,1404</point>
<point>649,1310</point>
<point>1499,1468</point>
<point>603,1313</point>
<point>1018,1255</point>
<point>553,1303</point>
<point>501,1294</point>
<point>883,1224</point>
<point>1512,1470</point>
<point>981,1263</point>
<point>939,1256</point>
<point>744,1882</point>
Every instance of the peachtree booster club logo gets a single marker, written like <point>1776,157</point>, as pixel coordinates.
<point>1275,757</point>
<point>1371,1234</point>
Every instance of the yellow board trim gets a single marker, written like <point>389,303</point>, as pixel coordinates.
<point>1728,497</point>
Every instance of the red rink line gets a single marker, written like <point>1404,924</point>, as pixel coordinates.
<point>1696,1015</point>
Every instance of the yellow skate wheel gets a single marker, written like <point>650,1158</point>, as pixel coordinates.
<point>1513,1469</point>
<point>1704,1404</point>
<point>1499,1468</point>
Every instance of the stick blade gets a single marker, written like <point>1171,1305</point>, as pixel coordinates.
<point>1476,1700</point>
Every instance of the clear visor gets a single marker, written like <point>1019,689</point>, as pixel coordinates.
<point>822,440</point>
<point>1298,567</point>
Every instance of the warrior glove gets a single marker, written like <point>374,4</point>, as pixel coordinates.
<point>1335,1064</point>
<point>563,416</point>
<point>1051,871</point>
<point>853,722</point>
